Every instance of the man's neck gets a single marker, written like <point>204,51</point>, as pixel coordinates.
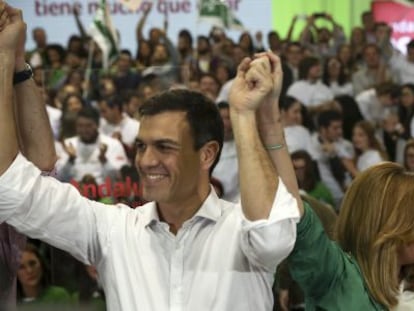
<point>175,214</point>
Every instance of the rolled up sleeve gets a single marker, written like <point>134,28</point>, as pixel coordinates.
<point>44,208</point>
<point>267,242</point>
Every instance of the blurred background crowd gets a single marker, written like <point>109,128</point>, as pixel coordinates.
<point>347,103</point>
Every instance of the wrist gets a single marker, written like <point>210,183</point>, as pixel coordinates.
<point>20,64</point>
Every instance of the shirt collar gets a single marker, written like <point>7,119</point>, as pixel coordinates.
<point>210,209</point>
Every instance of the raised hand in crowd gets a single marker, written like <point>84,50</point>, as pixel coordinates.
<point>70,150</point>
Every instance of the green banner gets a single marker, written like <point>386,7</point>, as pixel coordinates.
<point>346,12</point>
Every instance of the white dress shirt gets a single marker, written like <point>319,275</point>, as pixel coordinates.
<point>217,261</point>
<point>128,128</point>
<point>310,94</point>
<point>87,160</point>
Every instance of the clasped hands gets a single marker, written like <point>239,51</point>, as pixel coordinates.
<point>257,84</point>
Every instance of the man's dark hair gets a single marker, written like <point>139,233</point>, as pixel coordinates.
<point>115,101</point>
<point>89,113</point>
<point>201,113</point>
<point>305,65</point>
<point>326,117</point>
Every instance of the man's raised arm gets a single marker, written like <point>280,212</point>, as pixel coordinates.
<point>258,176</point>
<point>9,36</point>
<point>34,130</point>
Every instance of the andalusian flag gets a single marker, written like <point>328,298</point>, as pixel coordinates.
<point>217,13</point>
<point>104,34</point>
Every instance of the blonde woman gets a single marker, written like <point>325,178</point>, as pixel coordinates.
<point>363,270</point>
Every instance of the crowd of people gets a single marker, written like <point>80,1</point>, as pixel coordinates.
<point>345,105</point>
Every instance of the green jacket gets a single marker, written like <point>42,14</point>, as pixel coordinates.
<point>52,298</point>
<point>330,278</point>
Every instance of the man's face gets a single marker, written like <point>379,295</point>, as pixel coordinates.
<point>168,165</point>
<point>294,55</point>
<point>315,72</point>
<point>39,36</point>
<point>160,55</point>
<point>209,86</point>
<point>124,62</point>
<point>86,129</point>
<point>108,113</point>
<point>371,57</point>
<point>334,131</point>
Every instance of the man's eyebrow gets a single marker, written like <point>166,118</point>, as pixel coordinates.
<point>160,141</point>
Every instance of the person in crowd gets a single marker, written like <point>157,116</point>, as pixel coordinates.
<point>37,56</point>
<point>144,52</point>
<point>350,112</point>
<point>154,34</point>
<point>293,56</point>
<point>56,71</point>
<point>90,151</point>
<point>179,141</point>
<point>297,136</point>
<point>309,89</point>
<point>376,102</point>
<point>227,168</point>
<point>358,41</point>
<point>327,41</point>
<point>391,136</point>
<point>36,143</point>
<point>34,289</point>
<point>185,46</point>
<point>344,55</point>
<point>71,105</point>
<point>308,177</point>
<point>115,123</point>
<point>374,72</point>
<point>402,66</point>
<point>329,148</point>
<point>124,74</point>
<point>274,42</point>
<point>209,86</point>
<point>368,149</point>
<point>406,109</point>
<point>363,270</point>
<point>335,78</point>
<point>368,26</point>
<point>246,43</point>
<point>409,156</point>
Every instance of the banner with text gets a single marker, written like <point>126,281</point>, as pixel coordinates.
<point>56,16</point>
<point>400,16</point>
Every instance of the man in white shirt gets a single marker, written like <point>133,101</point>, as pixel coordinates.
<point>186,249</point>
<point>328,149</point>
<point>402,66</point>
<point>309,89</point>
<point>90,152</point>
<point>116,123</point>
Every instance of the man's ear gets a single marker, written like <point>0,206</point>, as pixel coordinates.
<point>208,154</point>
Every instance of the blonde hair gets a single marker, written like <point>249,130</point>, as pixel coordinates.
<point>375,221</point>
